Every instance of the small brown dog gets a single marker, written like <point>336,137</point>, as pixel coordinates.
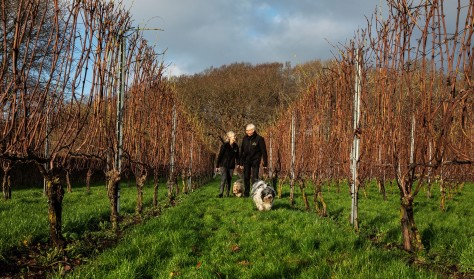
<point>238,188</point>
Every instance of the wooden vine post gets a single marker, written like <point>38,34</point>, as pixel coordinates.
<point>355,146</point>
<point>114,175</point>
<point>292,167</point>
<point>171,178</point>
<point>120,111</point>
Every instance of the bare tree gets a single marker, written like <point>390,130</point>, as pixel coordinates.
<point>415,108</point>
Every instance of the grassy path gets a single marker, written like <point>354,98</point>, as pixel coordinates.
<point>209,237</point>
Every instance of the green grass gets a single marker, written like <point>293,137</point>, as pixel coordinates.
<point>24,218</point>
<point>207,237</point>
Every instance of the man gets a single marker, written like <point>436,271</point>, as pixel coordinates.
<point>253,149</point>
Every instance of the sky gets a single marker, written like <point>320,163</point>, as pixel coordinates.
<point>199,34</point>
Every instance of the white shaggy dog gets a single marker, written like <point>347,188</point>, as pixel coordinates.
<point>263,195</point>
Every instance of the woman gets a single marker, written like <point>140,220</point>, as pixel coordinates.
<point>228,155</point>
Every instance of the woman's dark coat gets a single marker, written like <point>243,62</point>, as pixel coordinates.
<point>228,155</point>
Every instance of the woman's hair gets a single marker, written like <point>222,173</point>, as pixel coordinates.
<point>228,135</point>
<point>250,127</point>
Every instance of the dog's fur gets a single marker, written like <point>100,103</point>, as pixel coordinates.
<point>263,195</point>
<point>238,188</point>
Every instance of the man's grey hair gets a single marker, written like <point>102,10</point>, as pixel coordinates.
<point>250,127</point>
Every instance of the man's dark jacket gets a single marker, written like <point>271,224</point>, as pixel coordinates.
<point>253,149</point>
<point>228,155</point>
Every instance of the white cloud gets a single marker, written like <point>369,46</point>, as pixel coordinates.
<point>173,70</point>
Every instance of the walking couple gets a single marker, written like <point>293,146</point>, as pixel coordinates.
<point>252,151</point>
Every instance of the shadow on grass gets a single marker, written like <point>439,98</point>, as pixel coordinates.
<point>336,214</point>
<point>92,224</point>
<point>283,206</point>
<point>427,236</point>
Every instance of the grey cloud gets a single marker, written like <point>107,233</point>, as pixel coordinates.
<point>205,33</point>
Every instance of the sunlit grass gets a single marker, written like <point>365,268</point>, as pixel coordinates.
<point>209,237</point>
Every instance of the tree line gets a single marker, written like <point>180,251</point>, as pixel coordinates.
<point>83,90</point>
<point>231,96</point>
